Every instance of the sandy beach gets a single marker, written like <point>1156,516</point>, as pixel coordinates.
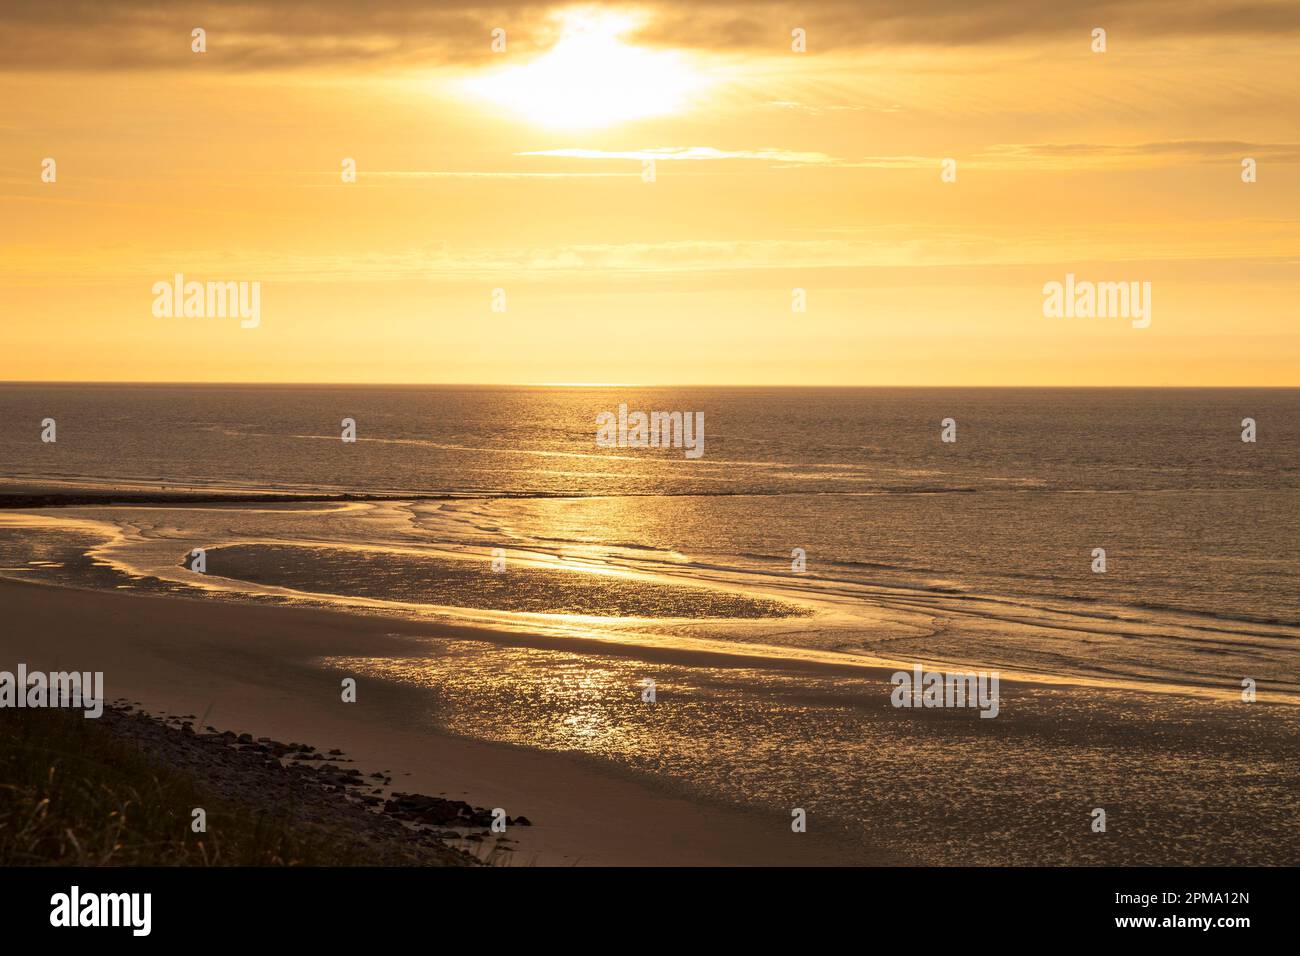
<point>949,790</point>
<point>249,670</point>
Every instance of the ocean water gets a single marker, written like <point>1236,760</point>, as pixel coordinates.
<point>976,553</point>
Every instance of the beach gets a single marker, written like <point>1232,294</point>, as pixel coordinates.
<point>248,669</point>
<point>956,790</point>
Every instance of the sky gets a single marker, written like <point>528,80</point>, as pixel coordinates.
<point>669,193</point>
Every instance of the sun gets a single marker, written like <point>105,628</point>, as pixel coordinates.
<point>591,78</point>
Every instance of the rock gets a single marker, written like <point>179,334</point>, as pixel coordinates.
<point>434,811</point>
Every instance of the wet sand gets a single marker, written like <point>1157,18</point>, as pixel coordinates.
<point>1185,777</point>
<point>250,670</point>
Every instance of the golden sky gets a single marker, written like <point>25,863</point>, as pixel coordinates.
<point>523,170</point>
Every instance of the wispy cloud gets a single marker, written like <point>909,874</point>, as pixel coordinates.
<point>901,246</point>
<point>1157,153</point>
<point>676,153</point>
<point>487,174</point>
<point>997,156</point>
<point>1093,155</point>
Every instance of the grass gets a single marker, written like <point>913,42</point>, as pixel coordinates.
<point>71,794</point>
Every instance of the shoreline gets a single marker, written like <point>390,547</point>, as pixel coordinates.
<point>179,655</point>
<point>941,787</point>
<point>686,648</point>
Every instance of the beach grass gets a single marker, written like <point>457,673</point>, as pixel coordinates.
<point>72,794</point>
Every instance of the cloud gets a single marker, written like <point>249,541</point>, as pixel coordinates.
<point>847,24</point>
<point>1168,152</point>
<point>272,34</point>
<point>489,174</point>
<point>37,35</point>
<point>676,153</point>
<point>1092,155</point>
<point>998,156</point>
<point>903,246</point>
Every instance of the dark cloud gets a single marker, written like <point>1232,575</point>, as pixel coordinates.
<point>139,34</point>
<point>838,24</point>
<point>134,34</point>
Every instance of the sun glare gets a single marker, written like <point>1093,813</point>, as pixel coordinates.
<point>591,78</point>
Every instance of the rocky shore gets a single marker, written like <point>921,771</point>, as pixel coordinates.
<point>316,793</point>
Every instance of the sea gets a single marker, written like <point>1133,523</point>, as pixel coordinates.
<point>1106,537</point>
